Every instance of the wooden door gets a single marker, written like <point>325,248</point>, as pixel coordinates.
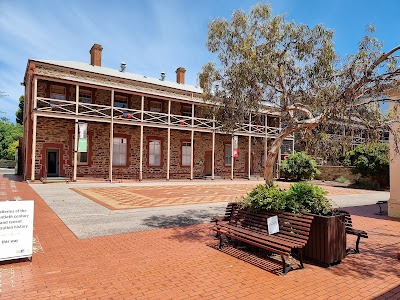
<point>208,163</point>
<point>52,162</point>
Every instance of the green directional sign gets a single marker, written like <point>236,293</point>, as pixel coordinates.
<point>82,141</point>
<point>82,145</point>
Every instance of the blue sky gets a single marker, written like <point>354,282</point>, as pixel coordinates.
<point>151,36</point>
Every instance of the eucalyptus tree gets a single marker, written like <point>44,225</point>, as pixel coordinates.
<point>267,61</point>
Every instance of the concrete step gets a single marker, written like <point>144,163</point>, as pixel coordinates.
<point>54,179</point>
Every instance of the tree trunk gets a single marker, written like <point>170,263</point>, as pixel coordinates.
<point>270,161</point>
<point>276,145</point>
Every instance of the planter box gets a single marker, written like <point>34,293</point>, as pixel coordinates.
<point>327,242</point>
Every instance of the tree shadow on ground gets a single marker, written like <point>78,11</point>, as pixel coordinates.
<point>377,262</point>
<point>378,253</point>
<point>182,225</point>
<point>394,293</point>
<point>186,218</point>
<point>13,177</point>
<point>370,211</point>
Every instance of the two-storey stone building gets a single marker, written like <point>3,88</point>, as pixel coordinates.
<point>85,120</point>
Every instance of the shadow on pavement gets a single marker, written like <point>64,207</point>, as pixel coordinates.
<point>188,217</point>
<point>392,294</point>
<point>370,211</point>
<point>13,177</point>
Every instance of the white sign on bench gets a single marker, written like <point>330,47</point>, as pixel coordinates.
<point>273,225</point>
<point>16,229</point>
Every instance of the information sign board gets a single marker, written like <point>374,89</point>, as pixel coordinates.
<point>273,225</point>
<point>16,229</point>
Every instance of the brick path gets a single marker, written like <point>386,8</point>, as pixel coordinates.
<point>180,263</point>
<point>127,197</point>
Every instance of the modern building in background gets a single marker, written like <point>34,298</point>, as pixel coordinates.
<point>394,200</point>
<point>85,120</point>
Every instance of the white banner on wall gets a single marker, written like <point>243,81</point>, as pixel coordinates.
<point>82,141</point>
<point>16,229</point>
<point>235,146</point>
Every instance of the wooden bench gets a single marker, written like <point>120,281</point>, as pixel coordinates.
<point>350,230</point>
<point>228,212</point>
<point>251,228</point>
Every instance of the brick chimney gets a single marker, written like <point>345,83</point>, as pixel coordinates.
<point>180,75</point>
<point>95,55</point>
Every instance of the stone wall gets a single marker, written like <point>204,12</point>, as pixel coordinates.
<point>334,172</point>
<point>52,134</point>
<point>59,134</point>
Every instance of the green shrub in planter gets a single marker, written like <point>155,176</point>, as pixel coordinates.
<point>268,197</point>
<point>300,198</point>
<point>299,166</point>
<point>303,197</point>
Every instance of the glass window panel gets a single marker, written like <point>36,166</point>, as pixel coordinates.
<point>121,101</point>
<point>186,153</point>
<point>57,92</point>
<point>120,152</point>
<point>228,154</point>
<point>187,110</point>
<point>82,157</point>
<point>85,96</point>
<point>155,106</point>
<point>154,153</point>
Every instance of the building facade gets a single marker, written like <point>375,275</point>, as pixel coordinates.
<point>85,120</point>
<point>394,200</point>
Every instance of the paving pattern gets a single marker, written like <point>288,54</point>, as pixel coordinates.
<point>182,263</point>
<point>128,197</point>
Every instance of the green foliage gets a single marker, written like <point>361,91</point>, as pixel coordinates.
<point>264,58</point>
<point>299,166</point>
<point>342,179</point>
<point>9,134</point>
<point>268,197</point>
<point>20,112</point>
<point>11,150</point>
<point>370,160</point>
<point>304,197</point>
<point>300,198</point>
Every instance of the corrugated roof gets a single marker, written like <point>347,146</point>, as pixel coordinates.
<point>124,75</point>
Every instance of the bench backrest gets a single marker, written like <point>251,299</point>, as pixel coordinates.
<point>229,209</point>
<point>294,225</point>
<point>347,218</point>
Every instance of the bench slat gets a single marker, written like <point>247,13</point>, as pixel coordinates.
<point>247,236</point>
<point>252,228</point>
<point>280,239</point>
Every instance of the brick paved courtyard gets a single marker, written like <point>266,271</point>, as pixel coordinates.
<point>127,197</point>
<point>181,263</point>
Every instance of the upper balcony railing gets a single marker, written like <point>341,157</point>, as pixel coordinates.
<point>357,139</point>
<point>127,114</point>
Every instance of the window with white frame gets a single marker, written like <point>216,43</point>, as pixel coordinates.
<point>155,106</point>
<point>121,101</point>
<point>85,96</point>
<point>120,149</point>
<point>83,158</point>
<point>154,153</point>
<point>57,92</point>
<point>186,110</point>
<point>186,153</point>
<point>228,154</point>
